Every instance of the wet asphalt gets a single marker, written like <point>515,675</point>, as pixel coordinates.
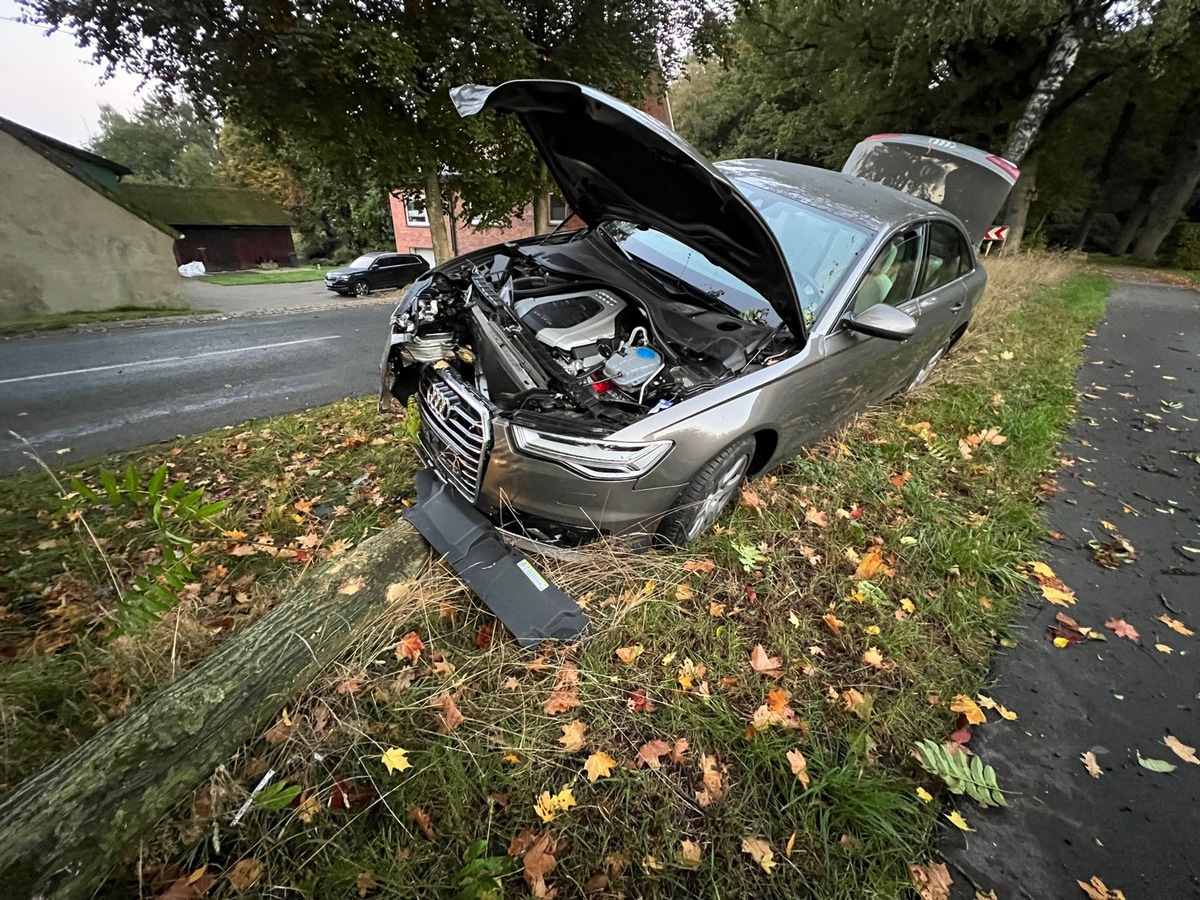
<point>1134,448</point>
<point>76,396</point>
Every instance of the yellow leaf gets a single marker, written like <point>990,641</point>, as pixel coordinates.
<point>1163,648</point>
<point>1061,642</point>
<point>396,759</point>
<point>925,796</point>
<point>956,819</point>
<point>1108,526</point>
<point>628,654</point>
<point>572,735</point>
<point>969,708</point>
<point>684,592</point>
<point>1175,625</point>
<point>790,844</point>
<point>1091,764</point>
<point>599,765</point>
<point>689,854</point>
<point>563,800</point>
<point>1040,568</point>
<point>873,658</point>
<point>799,766</point>
<point>907,605</point>
<point>511,758</point>
<point>760,851</point>
<point>1058,596</point>
<point>234,535</point>
<point>1006,713</point>
<point>648,588</point>
<point>544,807</point>
<point>872,629</point>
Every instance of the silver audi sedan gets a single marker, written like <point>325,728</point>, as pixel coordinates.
<point>708,321</point>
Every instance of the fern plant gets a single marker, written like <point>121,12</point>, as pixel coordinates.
<point>174,510</point>
<point>962,774</point>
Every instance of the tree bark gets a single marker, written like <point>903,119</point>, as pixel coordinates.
<point>1175,192</point>
<point>1018,207</point>
<point>63,830</point>
<point>1133,221</point>
<point>1106,165</point>
<point>435,208</point>
<point>1061,61</point>
<point>541,202</point>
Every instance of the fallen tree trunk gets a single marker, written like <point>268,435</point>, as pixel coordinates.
<point>63,830</point>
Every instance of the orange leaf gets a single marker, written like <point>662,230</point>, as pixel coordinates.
<point>777,700</point>
<point>1121,628</point>
<point>835,624</point>
<point>424,822</point>
<point>872,564</point>
<point>449,718</point>
<point>353,585</point>
<point>410,647</point>
<point>651,753</point>
<point>816,517</point>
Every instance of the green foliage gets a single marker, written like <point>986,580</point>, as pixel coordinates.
<point>163,141</point>
<point>480,876</point>
<point>1183,250</point>
<point>962,774</point>
<point>173,510</point>
<point>277,796</point>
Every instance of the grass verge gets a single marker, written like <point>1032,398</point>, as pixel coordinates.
<point>877,573</point>
<point>1164,274</point>
<point>56,321</point>
<point>267,276</point>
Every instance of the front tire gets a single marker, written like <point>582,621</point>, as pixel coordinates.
<point>707,495</point>
<point>361,289</point>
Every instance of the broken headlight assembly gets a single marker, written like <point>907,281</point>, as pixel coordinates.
<point>602,460</point>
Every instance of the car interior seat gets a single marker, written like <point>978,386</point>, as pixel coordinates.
<point>878,283</point>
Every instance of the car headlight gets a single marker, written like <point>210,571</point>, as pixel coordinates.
<point>603,460</point>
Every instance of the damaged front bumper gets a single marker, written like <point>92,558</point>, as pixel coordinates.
<point>532,608</point>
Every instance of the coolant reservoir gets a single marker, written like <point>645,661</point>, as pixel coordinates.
<point>629,367</point>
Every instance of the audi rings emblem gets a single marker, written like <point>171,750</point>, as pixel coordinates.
<point>437,402</point>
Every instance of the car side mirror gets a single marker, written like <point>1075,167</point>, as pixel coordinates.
<point>883,321</point>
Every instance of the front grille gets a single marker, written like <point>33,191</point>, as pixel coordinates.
<point>456,430</point>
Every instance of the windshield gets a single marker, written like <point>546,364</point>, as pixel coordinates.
<point>363,262</point>
<point>819,249</point>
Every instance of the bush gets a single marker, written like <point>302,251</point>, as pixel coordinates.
<point>1183,246</point>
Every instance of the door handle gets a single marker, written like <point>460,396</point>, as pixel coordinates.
<point>957,306</point>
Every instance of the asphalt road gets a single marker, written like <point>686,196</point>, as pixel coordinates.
<point>75,396</point>
<point>1134,447</point>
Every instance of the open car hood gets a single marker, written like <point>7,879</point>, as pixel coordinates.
<point>612,161</point>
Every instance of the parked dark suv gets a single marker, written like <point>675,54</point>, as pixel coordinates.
<point>376,271</point>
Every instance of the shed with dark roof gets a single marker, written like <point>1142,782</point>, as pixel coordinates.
<point>224,228</point>
<point>68,239</point>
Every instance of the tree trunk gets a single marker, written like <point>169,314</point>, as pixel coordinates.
<point>63,830</point>
<point>1175,192</point>
<point>1133,221</point>
<point>1018,207</point>
<point>541,202</point>
<point>1061,61</point>
<point>435,208</point>
<point>1106,164</point>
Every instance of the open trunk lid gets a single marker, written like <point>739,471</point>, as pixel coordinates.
<point>614,162</point>
<point>966,182</point>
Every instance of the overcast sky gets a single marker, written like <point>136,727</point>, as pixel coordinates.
<point>50,85</point>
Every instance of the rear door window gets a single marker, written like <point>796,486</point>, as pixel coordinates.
<point>948,257</point>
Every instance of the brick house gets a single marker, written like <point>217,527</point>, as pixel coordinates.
<point>411,223</point>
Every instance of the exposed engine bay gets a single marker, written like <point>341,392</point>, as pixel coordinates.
<point>534,336</point>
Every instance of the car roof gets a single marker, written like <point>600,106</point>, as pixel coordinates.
<point>866,203</point>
